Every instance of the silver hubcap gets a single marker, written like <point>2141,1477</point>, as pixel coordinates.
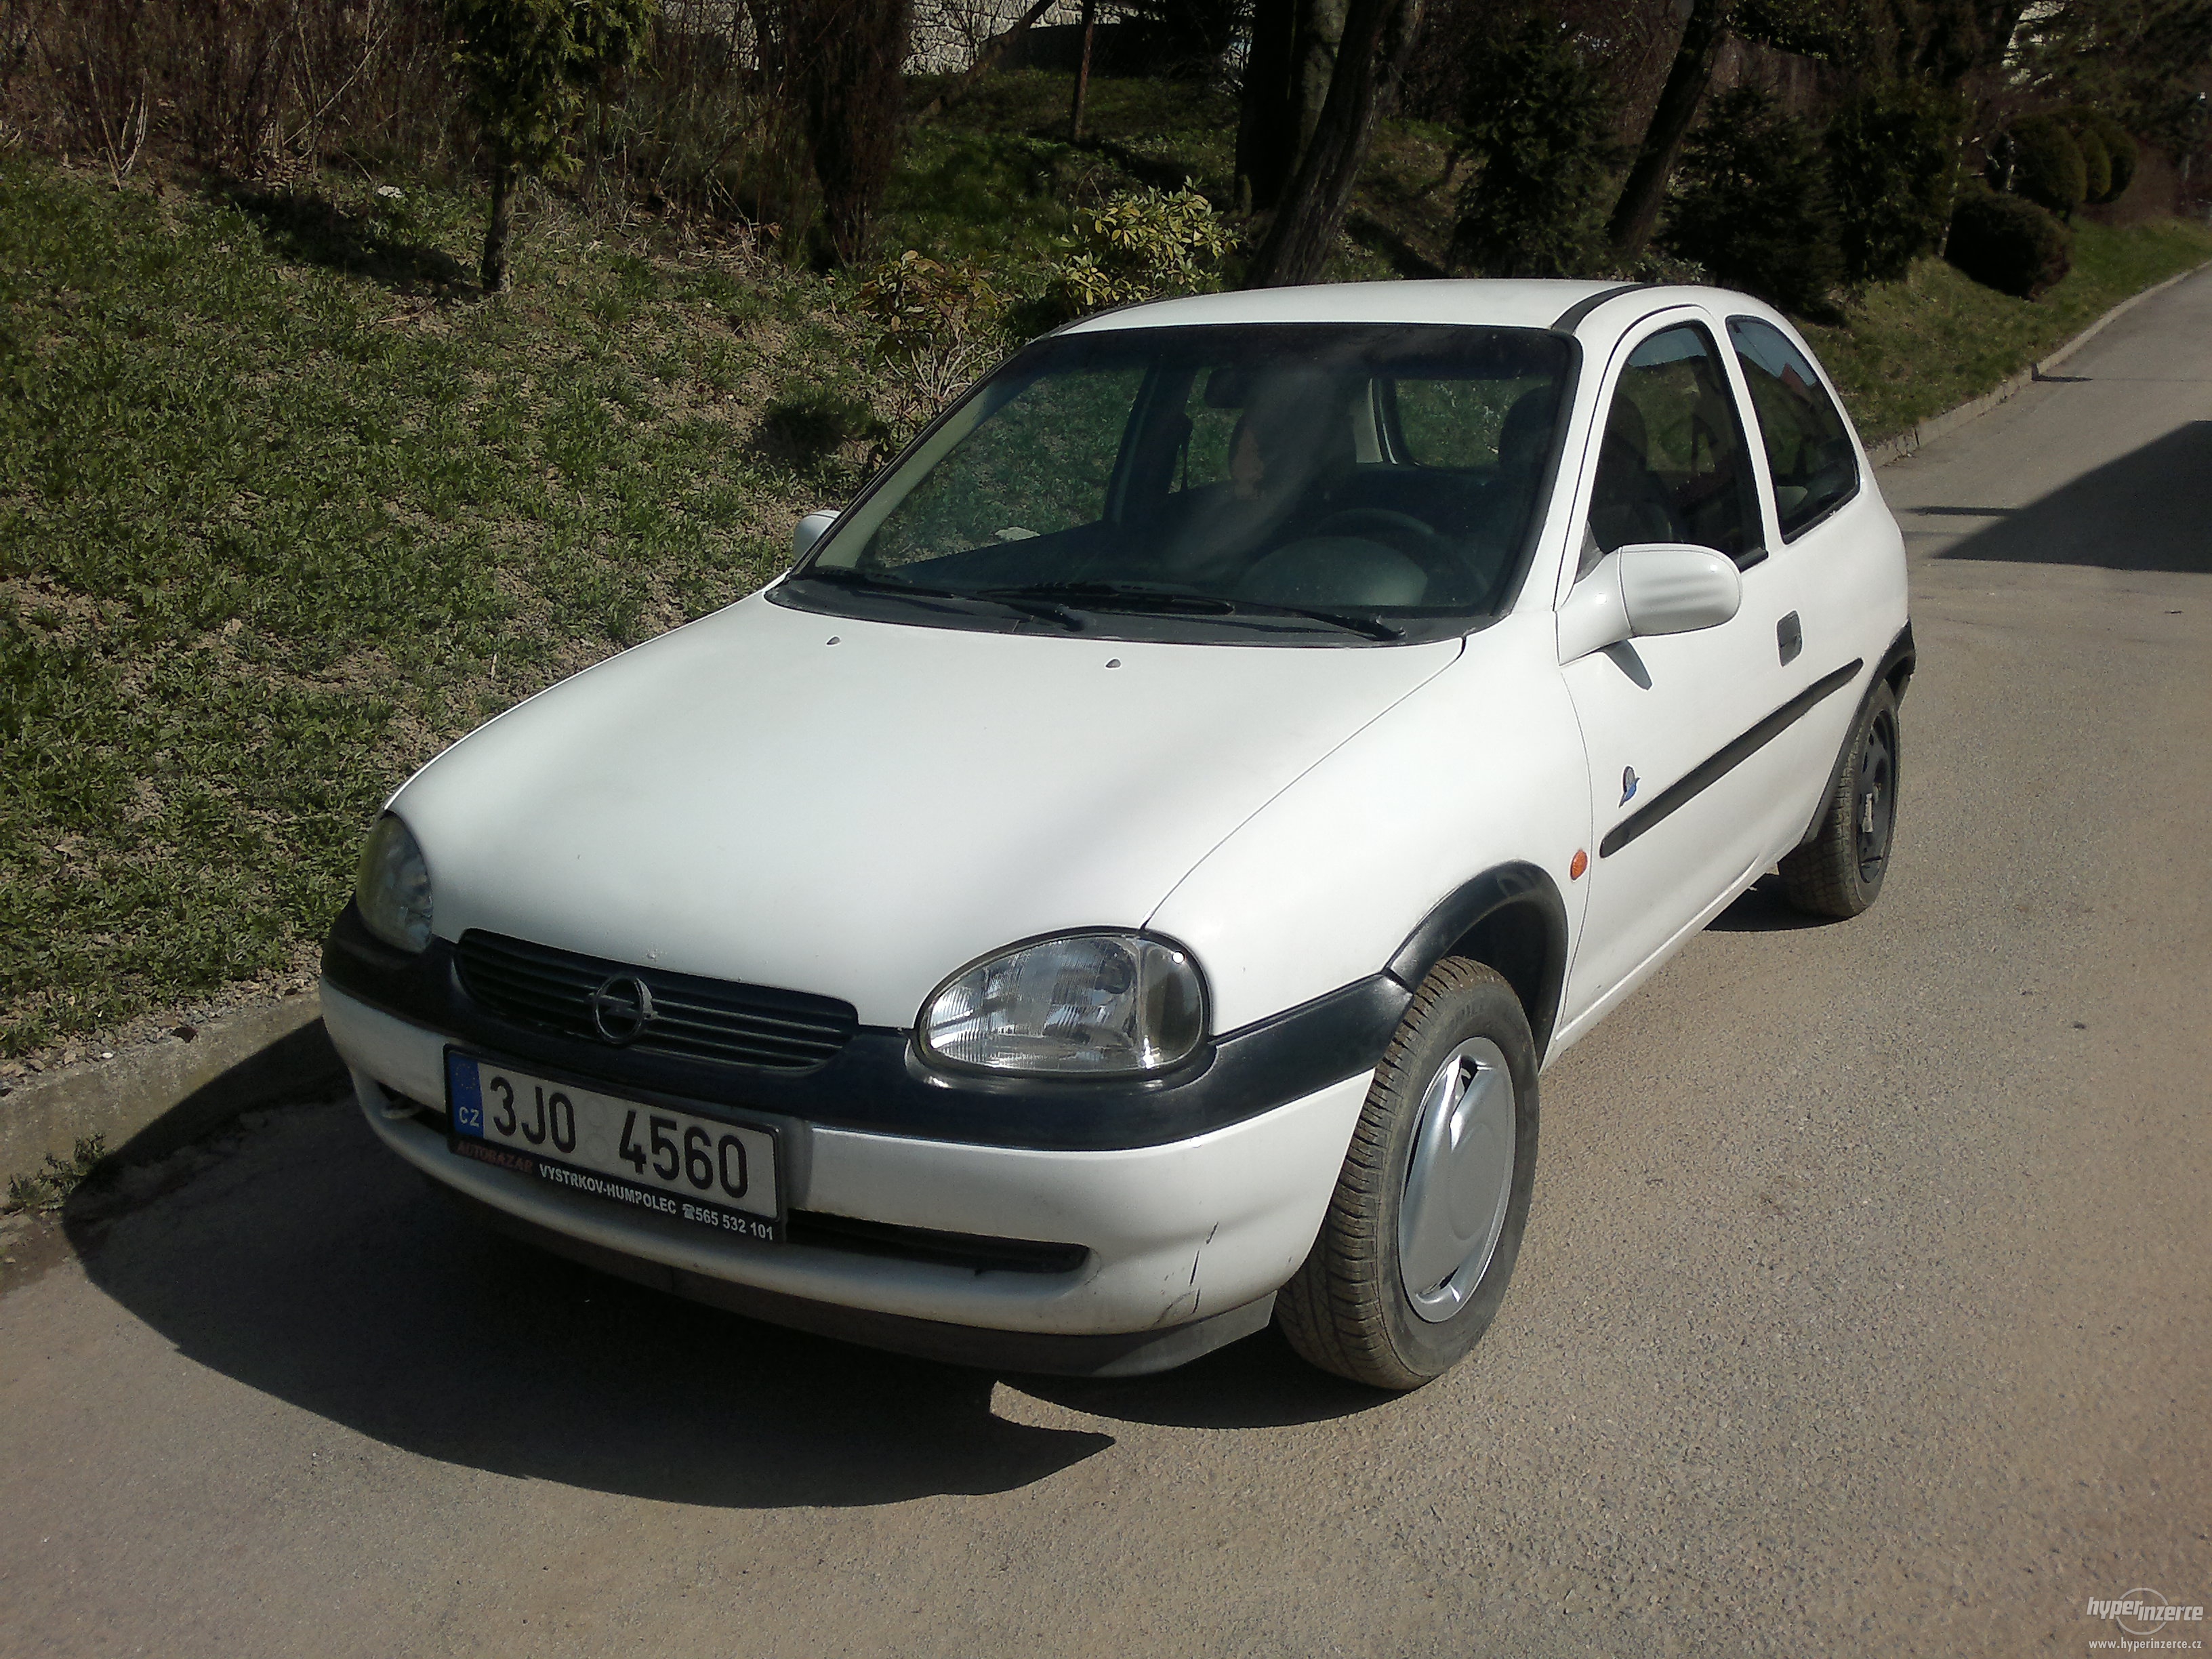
<point>1458,1181</point>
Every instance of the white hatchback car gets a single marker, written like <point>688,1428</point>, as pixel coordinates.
<point>1121,884</point>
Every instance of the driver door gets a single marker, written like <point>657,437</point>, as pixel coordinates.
<point>1684,809</point>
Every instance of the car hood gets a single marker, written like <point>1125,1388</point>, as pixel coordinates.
<point>859,808</point>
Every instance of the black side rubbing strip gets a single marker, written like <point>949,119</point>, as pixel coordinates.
<point>1710,771</point>
<point>1571,318</point>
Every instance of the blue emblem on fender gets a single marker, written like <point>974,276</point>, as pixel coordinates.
<point>1627,785</point>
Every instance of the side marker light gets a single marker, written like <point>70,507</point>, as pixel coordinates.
<point>1575,865</point>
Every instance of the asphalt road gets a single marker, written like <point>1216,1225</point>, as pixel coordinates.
<point>1864,1307</point>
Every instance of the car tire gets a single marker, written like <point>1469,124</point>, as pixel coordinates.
<point>1838,872</point>
<point>1419,1243</point>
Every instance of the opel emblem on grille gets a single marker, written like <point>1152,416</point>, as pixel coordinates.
<point>620,1008</point>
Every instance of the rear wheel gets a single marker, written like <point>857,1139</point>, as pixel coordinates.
<point>1840,871</point>
<point>1422,1232</point>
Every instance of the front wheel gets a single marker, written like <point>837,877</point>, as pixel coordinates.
<point>1840,871</point>
<point>1422,1231</point>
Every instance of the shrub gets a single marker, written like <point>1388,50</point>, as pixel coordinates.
<point>1180,37</point>
<point>1753,205</point>
<point>2096,164</point>
<point>2120,148</point>
<point>247,87</point>
<point>1891,165</point>
<point>1538,124</point>
<point>938,328</point>
<point>2047,166</point>
<point>2009,243</point>
<point>2120,145</point>
<point>1139,245</point>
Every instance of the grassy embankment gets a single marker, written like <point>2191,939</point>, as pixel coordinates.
<point>284,506</point>
<point>1916,348</point>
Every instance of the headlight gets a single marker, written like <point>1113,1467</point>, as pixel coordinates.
<point>392,887</point>
<point>1090,1005</point>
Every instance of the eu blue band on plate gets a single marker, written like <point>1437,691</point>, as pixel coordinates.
<point>464,1096</point>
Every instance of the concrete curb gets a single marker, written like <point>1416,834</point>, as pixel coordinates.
<point>149,1102</point>
<point>1911,441</point>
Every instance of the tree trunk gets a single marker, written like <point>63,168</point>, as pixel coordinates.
<point>1286,79</point>
<point>1266,131</point>
<point>847,61</point>
<point>1637,213</point>
<point>503,181</point>
<point>1370,61</point>
<point>1320,37</point>
<point>1083,72</point>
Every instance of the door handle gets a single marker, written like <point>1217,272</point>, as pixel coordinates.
<point>1789,637</point>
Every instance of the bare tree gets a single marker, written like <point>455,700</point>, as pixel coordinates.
<point>1294,45</point>
<point>1636,214</point>
<point>1370,62</point>
<point>833,67</point>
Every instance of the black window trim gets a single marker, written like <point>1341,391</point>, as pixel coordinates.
<point>1858,470</point>
<point>1678,316</point>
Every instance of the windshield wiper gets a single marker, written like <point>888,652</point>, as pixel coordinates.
<point>1374,627</point>
<point>1115,596</point>
<point>846,576</point>
<point>1112,595</point>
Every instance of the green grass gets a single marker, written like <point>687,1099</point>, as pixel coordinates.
<point>283,510</point>
<point>1916,347</point>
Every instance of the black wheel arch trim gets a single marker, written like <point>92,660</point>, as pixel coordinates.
<point>1513,911</point>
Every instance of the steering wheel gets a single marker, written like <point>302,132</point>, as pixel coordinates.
<point>1376,523</point>
<point>1404,533</point>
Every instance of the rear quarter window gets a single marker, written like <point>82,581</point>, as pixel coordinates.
<point>1808,448</point>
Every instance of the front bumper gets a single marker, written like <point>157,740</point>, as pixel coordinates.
<point>1176,1235</point>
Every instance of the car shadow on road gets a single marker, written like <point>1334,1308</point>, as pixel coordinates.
<point>2142,512</point>
<point>1760,908</point>
<point>1259,1382</point>
<point>311,1264</point>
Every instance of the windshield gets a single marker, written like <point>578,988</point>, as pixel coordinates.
<point>1367,483</point>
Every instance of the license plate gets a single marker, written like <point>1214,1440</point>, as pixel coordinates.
<point>717,1174</point>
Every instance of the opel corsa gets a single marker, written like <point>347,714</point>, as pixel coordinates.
<point>1121,884</point>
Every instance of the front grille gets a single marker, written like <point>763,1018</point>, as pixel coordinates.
<point>693,1019</point>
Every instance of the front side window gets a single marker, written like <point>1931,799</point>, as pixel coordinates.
<point>1339,484</point>
<point>1809,448</point>
<point>1672,466</point>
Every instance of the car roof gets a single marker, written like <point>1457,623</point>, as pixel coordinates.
<point>1498,303</point>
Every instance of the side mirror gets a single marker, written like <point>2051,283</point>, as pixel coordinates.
<point>808,531</point>
<point>1652,587</point>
